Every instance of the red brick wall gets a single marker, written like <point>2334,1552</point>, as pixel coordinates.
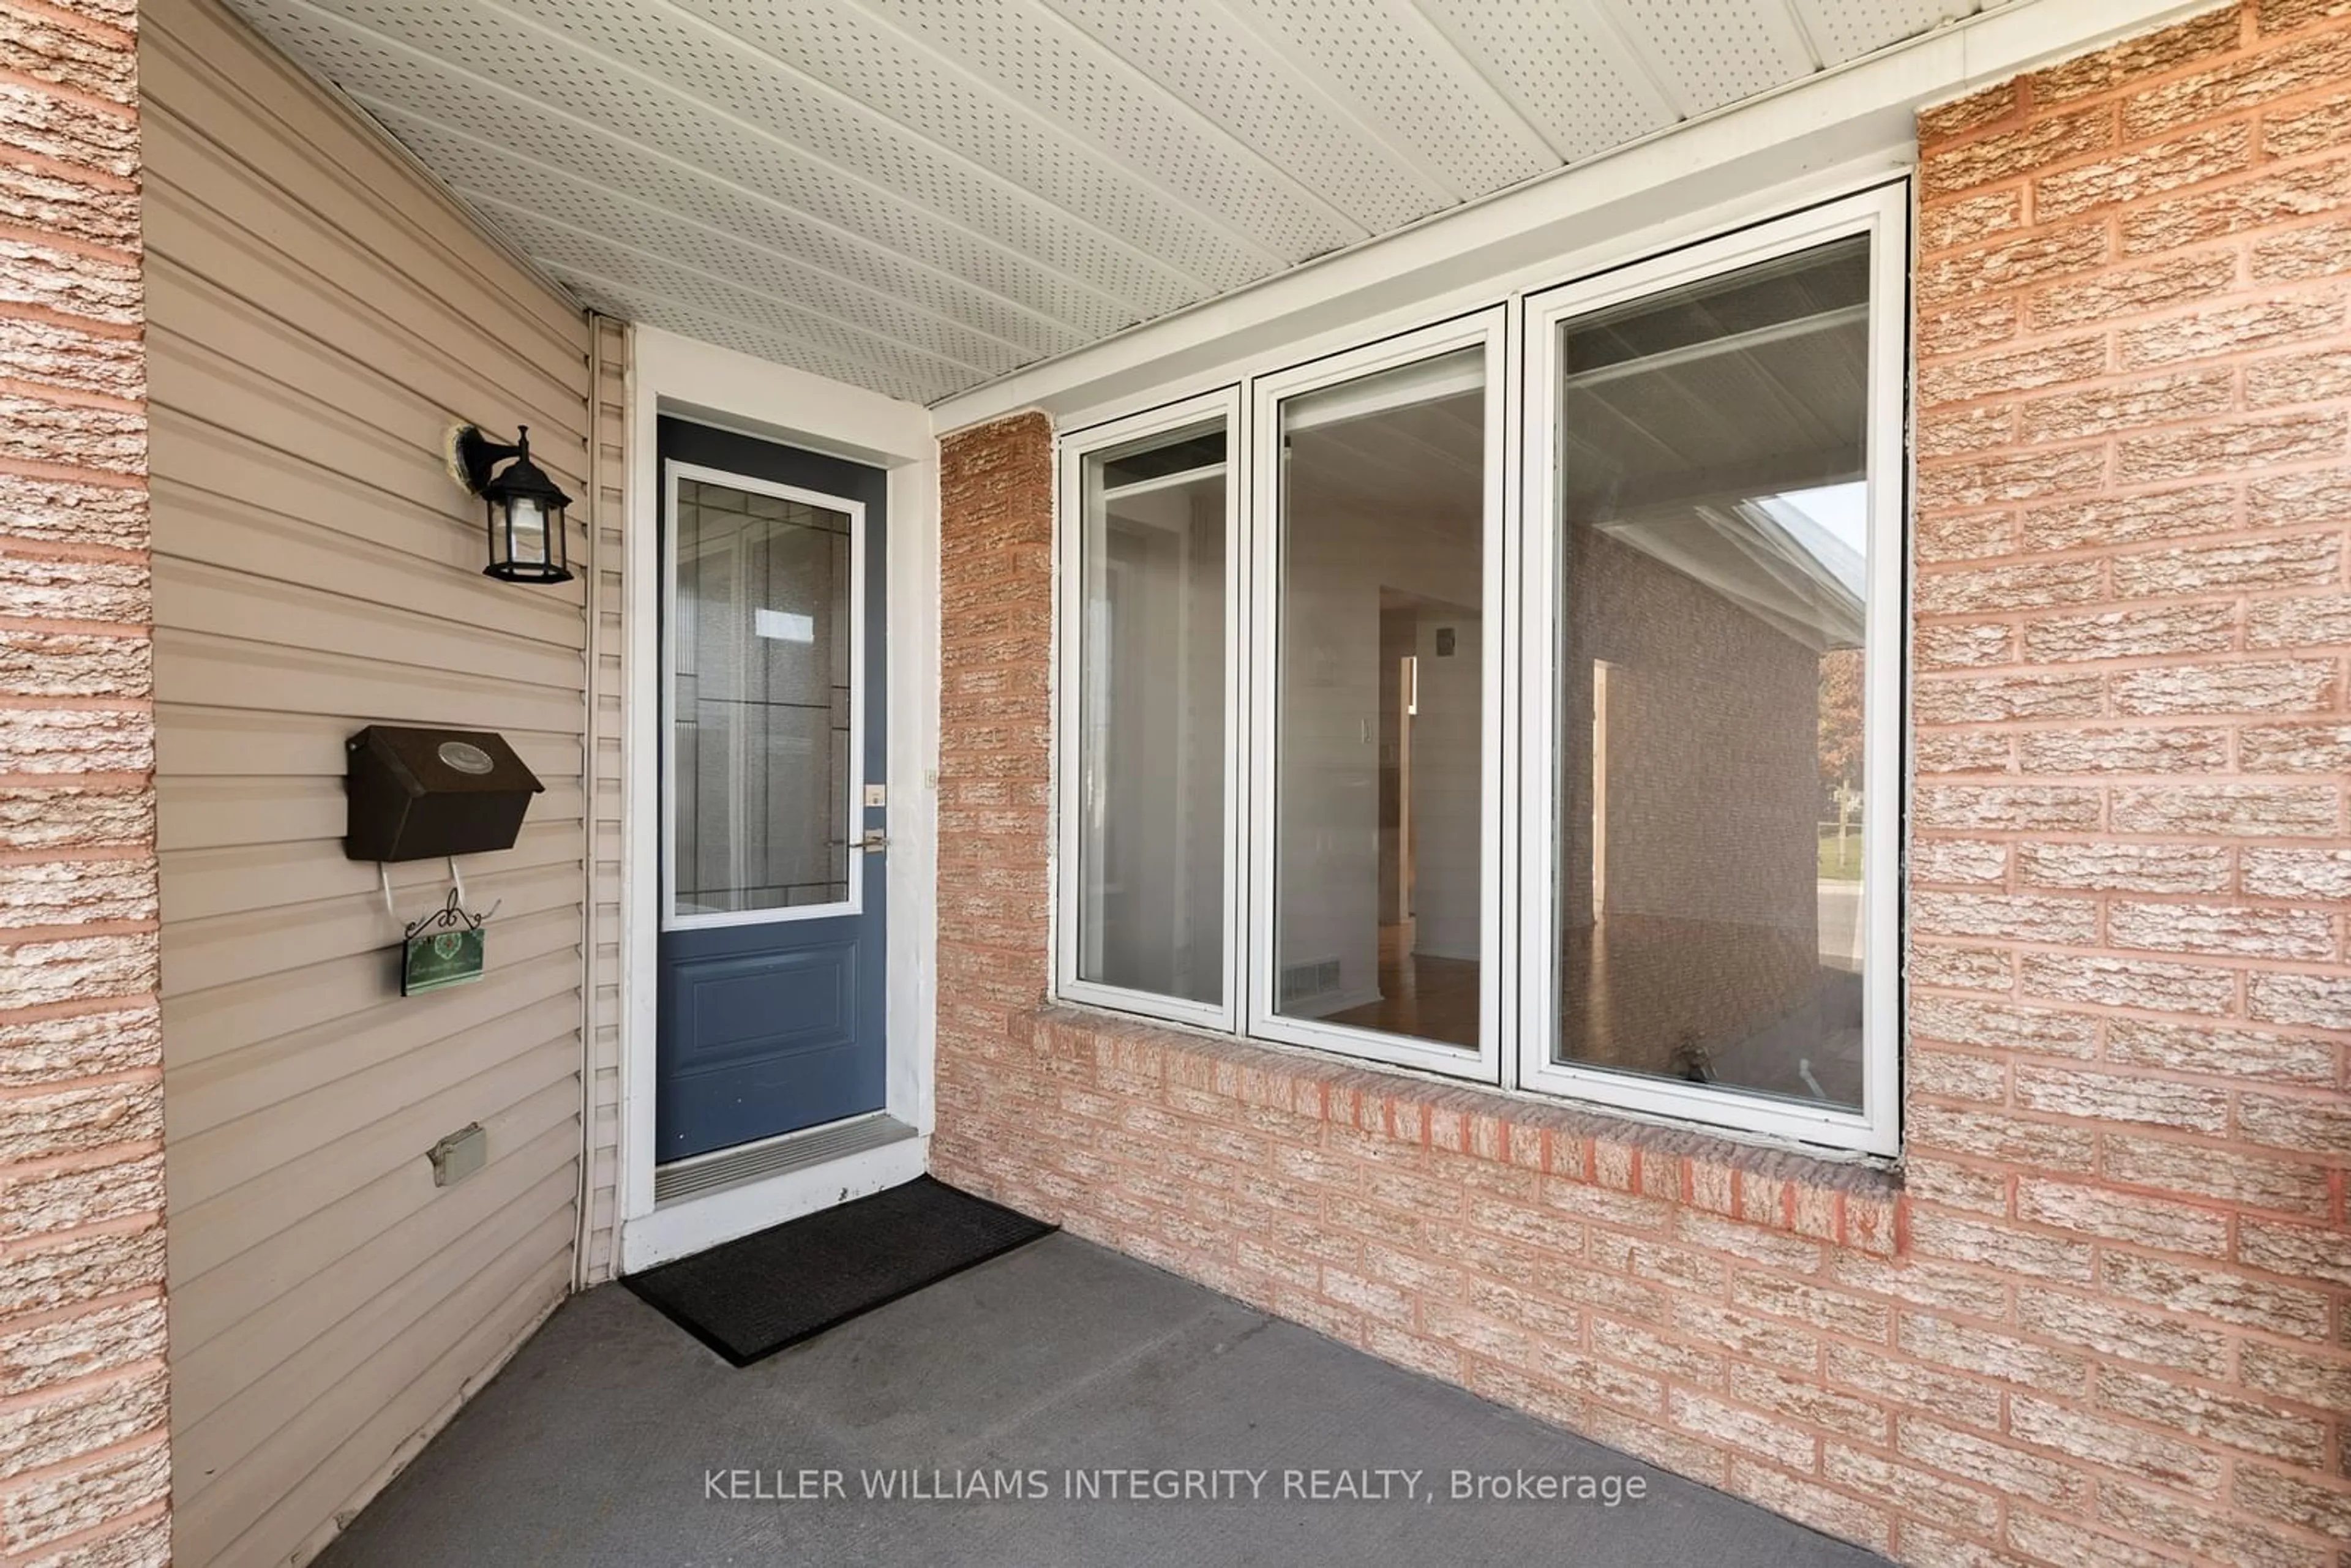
<point>2105,1321</point>
<point>2133,427</point>
<point>84,1469</point>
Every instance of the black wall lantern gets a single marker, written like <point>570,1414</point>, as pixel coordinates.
<point>526,509</point>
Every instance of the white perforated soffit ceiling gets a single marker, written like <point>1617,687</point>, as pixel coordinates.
<point>919,196</point>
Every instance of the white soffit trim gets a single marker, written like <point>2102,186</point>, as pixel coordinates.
<point>1826,131</point>
<point>808,410</point>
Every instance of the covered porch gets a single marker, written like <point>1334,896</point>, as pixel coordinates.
<point>1049,1407</point>
<point>1608,736</point>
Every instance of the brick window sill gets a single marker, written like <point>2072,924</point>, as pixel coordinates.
<point>1851,1203</point>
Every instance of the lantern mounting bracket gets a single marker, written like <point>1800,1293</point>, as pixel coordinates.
<point>472,456</point>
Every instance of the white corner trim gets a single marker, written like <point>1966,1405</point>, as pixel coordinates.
<point>675,375</point>
<point>1825,134</point>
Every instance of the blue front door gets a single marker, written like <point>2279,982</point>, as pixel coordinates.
<point>773,791</point>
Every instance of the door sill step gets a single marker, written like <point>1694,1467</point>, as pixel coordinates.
<point>710,1173</point>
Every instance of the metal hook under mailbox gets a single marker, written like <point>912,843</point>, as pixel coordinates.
<point>456,880</point>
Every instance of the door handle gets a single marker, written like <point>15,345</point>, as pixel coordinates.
<point>874,841</point>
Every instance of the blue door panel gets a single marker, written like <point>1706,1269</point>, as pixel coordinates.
<point>733,1008</point>
<point>769,1027</point>
<point>750,1032</point>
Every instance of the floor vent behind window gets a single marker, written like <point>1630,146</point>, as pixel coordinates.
<point>1309,981</point>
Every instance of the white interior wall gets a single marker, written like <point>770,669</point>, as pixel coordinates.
<point>1447,757</point>
<point>1162,914</point>
<point>1201,825</point>
<point>1341,554</point>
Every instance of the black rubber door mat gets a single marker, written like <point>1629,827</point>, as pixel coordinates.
<point>753,1297</point>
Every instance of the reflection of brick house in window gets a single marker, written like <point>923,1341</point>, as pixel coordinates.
<point>1712,922</point>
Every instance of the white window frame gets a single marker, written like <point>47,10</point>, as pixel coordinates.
<point>1069,612</point>
<point>1485,331</point>
<point>1519,915</point>
<point>851,818</point>
<point>1882,214</point>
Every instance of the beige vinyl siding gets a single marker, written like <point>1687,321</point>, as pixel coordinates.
<point>611,400</point>
<point>319,315</point>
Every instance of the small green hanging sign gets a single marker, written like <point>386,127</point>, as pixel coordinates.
<point>442,949</point>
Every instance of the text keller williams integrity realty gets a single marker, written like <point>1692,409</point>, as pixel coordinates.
<point>1169,1485</point>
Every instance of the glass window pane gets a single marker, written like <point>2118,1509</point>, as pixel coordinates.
<point>1150,720</point>
<point>1378,746</point>
<point>1715,557</point>
<point>760,701</point>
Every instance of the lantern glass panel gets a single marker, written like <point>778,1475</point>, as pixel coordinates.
<point>527,529</point>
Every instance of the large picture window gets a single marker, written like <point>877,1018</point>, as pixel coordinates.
<point>1639,708</point>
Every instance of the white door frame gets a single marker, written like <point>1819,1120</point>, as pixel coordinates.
<point>678,376</point>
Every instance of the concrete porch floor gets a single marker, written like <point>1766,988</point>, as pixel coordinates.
<point>592,1448</point>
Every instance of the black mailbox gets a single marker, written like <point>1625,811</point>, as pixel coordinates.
<point>417,794</point>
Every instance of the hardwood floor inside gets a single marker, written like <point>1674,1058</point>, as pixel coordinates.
<point>1429,999</point>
